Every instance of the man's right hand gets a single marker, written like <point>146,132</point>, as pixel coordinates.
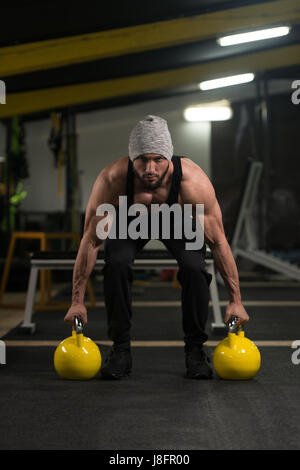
<point>76,310</point>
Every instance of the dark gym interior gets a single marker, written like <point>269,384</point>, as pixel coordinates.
<point>74,81</point>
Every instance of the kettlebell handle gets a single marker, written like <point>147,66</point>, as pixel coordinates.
<point>78,326</point>
<point>232,325</point>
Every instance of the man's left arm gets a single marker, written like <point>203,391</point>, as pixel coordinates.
<point>215,238</point>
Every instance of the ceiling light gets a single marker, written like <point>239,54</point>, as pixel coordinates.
<point>254,36</point>
<point>218,111</point>
<point>226,81</point>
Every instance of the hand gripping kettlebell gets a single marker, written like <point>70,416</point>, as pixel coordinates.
<point>236,357</point>
<point>77,357</point>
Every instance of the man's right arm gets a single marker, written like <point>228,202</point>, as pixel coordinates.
<point>104,191</point>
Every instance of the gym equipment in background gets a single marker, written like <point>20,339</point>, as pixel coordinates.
<point>244,241</point>
<point>148,258</point>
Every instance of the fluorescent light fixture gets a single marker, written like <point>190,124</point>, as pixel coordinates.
<point>226,81</point>
<point>218,111</point>
<point>254,36</point>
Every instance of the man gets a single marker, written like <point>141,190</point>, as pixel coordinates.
<point>153,175</point>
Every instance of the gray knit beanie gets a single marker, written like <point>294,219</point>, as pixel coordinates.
<point>151,135</point>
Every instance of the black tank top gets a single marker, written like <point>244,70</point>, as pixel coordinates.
<point>172,197</point>
<point>175,186</point>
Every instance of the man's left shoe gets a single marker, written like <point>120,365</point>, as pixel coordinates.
<point>197,363</point>
<point>118,364</point>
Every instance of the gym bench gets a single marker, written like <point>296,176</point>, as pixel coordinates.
<point>145,259</point>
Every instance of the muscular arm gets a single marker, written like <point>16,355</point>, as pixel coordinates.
<point>200,190</point>
<point>105,190</point>
<point>215,238</point>
<point>85,261</point>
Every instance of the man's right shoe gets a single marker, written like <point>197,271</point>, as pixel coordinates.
<point>197,363</point>
<point>118,364</point>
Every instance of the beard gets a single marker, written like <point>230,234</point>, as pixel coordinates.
<point>149,184</point>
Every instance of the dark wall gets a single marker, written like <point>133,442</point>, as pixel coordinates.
<point>235,143</point>
<point>284,213</point>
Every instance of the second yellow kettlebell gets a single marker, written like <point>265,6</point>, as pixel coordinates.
<point>236,357</point>
<point>77,357</point>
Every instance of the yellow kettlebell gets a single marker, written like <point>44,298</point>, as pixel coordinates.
<point>77,357</point>
<point>236,357</point>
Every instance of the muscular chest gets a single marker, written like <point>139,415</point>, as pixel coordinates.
<point>147,198</point>
<point>159,196</point>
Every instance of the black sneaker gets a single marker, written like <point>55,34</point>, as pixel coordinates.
<point>118,364</point>
<point>197,363</point>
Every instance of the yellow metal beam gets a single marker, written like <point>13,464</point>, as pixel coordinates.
<point>61,52</point>
<point>51,98</point>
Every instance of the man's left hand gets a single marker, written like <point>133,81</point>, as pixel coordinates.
<point>236,309</point>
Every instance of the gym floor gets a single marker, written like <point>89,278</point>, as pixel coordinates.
<point>156,407</point>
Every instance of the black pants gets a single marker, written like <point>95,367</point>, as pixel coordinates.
<point>118,277</point>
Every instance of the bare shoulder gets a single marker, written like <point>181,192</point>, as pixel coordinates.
<point>115,171</point>
<point>191,170</point>
<point>196,185</point>
<point>188,164</point>
<point>109,184</point>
